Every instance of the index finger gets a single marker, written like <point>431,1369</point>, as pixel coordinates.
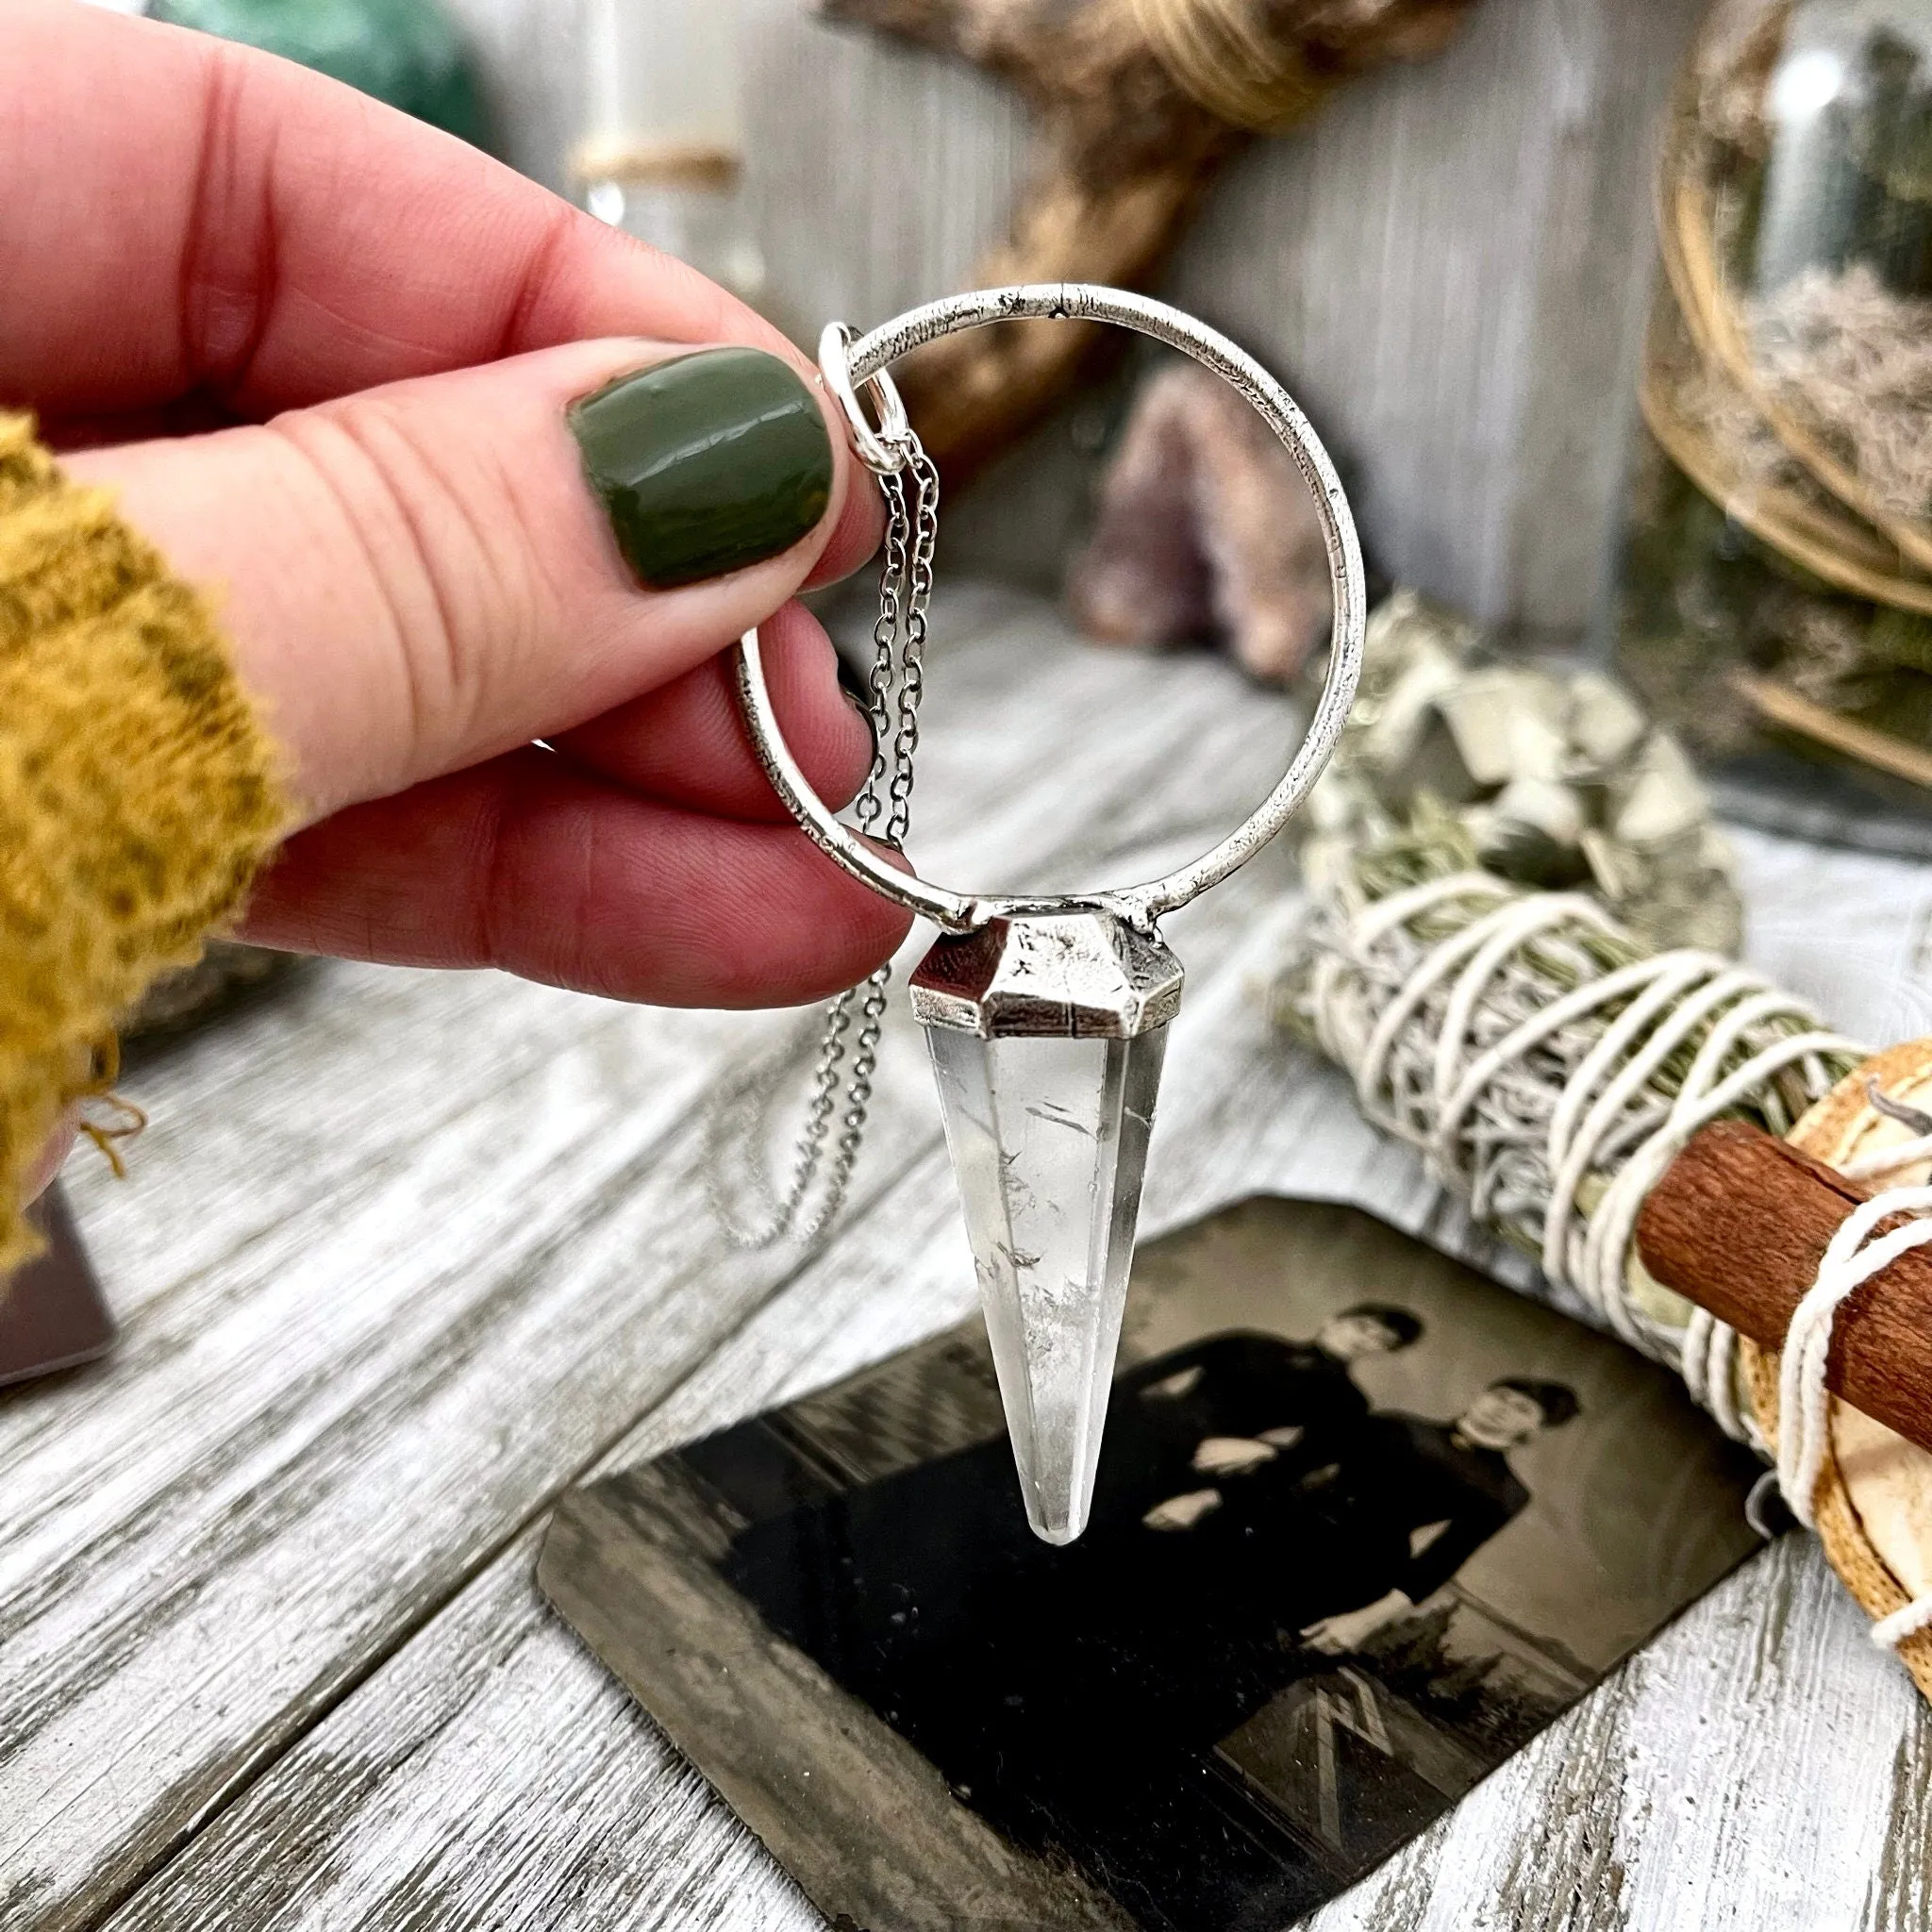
<point>186,218</point>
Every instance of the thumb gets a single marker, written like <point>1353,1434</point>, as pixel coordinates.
<point>420,577</point>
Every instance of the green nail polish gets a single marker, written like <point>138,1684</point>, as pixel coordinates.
<point>706,463</point>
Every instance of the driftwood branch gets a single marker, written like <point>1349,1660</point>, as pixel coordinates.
<point>1138,104</point>
<point>1739,1222</point>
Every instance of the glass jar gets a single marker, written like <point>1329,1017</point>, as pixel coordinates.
<point>1775,590</point>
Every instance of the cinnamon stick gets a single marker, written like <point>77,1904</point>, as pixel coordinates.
<point>1739,1224</point>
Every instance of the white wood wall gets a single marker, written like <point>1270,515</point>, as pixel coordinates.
<point>1451,267</point>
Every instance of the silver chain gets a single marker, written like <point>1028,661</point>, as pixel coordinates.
<point>883,810</point>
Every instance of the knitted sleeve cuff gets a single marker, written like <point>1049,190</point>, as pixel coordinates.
<point>138,792</point>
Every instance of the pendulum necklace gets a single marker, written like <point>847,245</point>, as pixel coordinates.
<point>1046,1017</point>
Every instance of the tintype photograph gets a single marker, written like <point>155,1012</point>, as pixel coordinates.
<point>1364,1523</point>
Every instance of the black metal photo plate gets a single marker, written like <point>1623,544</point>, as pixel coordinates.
<point>51,1312</point>
<point>1365,1524</point>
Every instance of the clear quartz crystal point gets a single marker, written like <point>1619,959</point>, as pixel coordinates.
<point>1047,1036</point>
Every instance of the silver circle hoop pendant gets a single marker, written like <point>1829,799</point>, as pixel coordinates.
<point>855,368</point>
<point>1042,1014</point>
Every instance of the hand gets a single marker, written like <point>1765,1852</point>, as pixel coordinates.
<point>51,1156</point>
<point>1350,1629</point>
<point>322,354</point>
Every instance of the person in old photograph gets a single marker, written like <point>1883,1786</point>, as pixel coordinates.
<point>1253,1515</point>
<point>918,1564</point>
<point>1235,1400</point>
<point>1414,1500</point>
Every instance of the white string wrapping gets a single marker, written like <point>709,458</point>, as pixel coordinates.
<point>1550,1072</point>
<point>1855,1253</point>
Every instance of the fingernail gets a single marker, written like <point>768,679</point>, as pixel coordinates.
<point>862,712</point>
<point>706,463</point>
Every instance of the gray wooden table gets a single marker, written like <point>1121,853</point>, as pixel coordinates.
<point>405,1254</point>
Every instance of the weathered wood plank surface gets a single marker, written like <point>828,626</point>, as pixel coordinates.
<point>897,1273</point>
<point>448,1247</point>
<point>271,1569</point>
<point>494,1775</point>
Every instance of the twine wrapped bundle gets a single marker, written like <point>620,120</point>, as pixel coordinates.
<point>1548,1064</point>
<point>1552,1067</point>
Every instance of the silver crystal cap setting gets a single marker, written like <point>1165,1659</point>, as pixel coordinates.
<point>1067,975</point>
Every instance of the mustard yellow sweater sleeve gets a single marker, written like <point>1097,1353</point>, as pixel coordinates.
<point>138,792</point>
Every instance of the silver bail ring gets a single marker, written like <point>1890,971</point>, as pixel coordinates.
<point>885,449</point>
<point>1141,905</point>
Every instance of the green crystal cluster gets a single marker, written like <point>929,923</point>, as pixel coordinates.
<point>405,52</point>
